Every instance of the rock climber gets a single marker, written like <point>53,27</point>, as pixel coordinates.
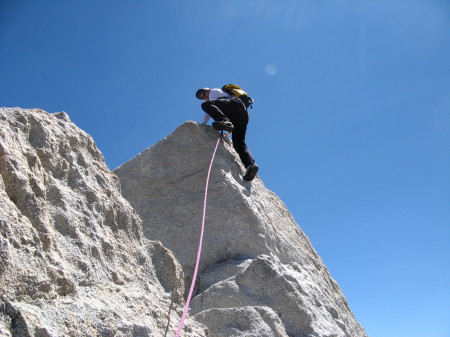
<point>229,114</point>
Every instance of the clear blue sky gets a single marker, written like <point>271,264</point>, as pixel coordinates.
<point>351,125</point>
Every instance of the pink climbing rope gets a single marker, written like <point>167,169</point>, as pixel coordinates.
<point>199,251</point>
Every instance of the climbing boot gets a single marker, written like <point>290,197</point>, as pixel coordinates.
<point>250,172</point>
<point>223,125</point>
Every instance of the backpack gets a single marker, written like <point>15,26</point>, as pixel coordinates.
<point>236,91</point>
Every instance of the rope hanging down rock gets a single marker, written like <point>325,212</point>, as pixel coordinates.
<point>199,251</point>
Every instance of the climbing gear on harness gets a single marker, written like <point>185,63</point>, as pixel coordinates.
<point>199,251</point>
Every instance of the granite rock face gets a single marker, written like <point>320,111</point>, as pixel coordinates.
<point>259,274</point>
<point>73,257</point>
<point>77,260</point>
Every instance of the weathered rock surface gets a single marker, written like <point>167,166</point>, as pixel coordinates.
<point>259,274</point>
<point>73,258</point>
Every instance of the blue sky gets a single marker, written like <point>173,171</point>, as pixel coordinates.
<point>351,124</point>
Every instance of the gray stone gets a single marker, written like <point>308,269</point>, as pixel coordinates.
<point>73,257</point>
<point>242,322</point>
<point>254,253</point>
<point>77,260</point>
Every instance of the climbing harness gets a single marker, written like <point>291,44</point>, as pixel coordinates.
<point>199,251</point>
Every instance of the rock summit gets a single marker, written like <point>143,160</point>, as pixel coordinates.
<point>89,252</point>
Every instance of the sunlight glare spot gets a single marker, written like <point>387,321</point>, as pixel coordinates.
<point>271,69</point>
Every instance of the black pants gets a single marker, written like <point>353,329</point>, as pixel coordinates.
<point>232,109</point>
